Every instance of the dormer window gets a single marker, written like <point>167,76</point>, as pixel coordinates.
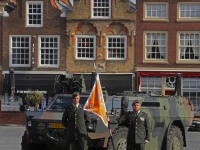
<point>34,14</point>
<point>101,9</point>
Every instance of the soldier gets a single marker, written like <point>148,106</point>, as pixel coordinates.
<point>76,121</point>
<point>138,127</point>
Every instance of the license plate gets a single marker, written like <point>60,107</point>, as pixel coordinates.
<point>56,125</point>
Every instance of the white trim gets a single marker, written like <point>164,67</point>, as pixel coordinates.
<point>39,51</point>
<point>42,12</point>
<point>35,72</point>
<point>10,53</point>
<point>125,46</point>
<point>100,17</point>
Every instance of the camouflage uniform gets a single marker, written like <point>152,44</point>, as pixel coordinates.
<point>76,121</point>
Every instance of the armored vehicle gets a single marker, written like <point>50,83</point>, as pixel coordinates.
<point>169,117</point>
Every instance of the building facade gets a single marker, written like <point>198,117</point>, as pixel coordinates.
<point>33,44</point>
<point>3,4</point>
<point>100,36</point>
<point>167,43</point>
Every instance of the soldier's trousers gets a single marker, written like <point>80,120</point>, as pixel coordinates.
<point>76,144</point>
<point>133,146</point>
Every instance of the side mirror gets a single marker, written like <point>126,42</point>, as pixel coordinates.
<point>124,105</point>
<point>22,108</point>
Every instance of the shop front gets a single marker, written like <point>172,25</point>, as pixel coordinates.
<point>164,82</point>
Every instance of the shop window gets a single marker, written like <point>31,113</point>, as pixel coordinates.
<point>151,84</point>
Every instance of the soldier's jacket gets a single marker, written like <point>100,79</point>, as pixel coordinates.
<point>138,125</point>
<point>76,122</point>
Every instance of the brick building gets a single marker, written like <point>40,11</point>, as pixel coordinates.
<point>2,5</point>
<point>167,43</point>
<point>100,34</point>
<point>34,43</point>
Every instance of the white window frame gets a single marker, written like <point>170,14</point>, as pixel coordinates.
<point>125,46</point>
<point>39,50</point>
<point>155,60</point>
<point>190,18</point>
<point>27,13</point>
<point>100,17</point>
<point>11,47</point>
<point>195,48</point>
<point>94,47</point>
<point>147,18</point>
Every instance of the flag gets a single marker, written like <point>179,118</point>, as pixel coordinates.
<point>95,103</point>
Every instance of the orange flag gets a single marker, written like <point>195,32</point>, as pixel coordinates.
<point>95,102</point>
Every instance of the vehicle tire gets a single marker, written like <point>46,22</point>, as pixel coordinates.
<point>24,144</point>
<point>175,139</point>
<point>27,146</point>
<point>119,138</point>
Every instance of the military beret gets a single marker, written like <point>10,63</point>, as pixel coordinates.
<point>135,101</point>
<point>75,94</point>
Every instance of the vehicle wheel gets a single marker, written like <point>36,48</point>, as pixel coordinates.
<point>175,139</point>
<point>119,138</point>
<point>27,146</point>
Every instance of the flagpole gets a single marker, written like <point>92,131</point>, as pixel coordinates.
<point>111,135</point>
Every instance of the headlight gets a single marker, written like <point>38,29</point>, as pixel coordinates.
<point>29,123</point>
<point>91,126</point>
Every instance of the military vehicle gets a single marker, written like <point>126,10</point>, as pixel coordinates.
<point>44,130</point>
<point>169,117</point>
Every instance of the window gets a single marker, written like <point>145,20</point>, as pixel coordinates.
<point>151,84</point>
<point>155,45</point>
<point>34,12</point>
<point>189,46</point>
<point>156,11</point>
<point>49,51</point>
<point>170,82</point>
<point>116,47</point>
<point>191,86</point>
<point>101,8</point>
<point>85,47</point>
<point>20,48</point>
<point>188,11</point>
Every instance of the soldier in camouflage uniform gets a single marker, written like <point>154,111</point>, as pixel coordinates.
<point>76,121</point>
